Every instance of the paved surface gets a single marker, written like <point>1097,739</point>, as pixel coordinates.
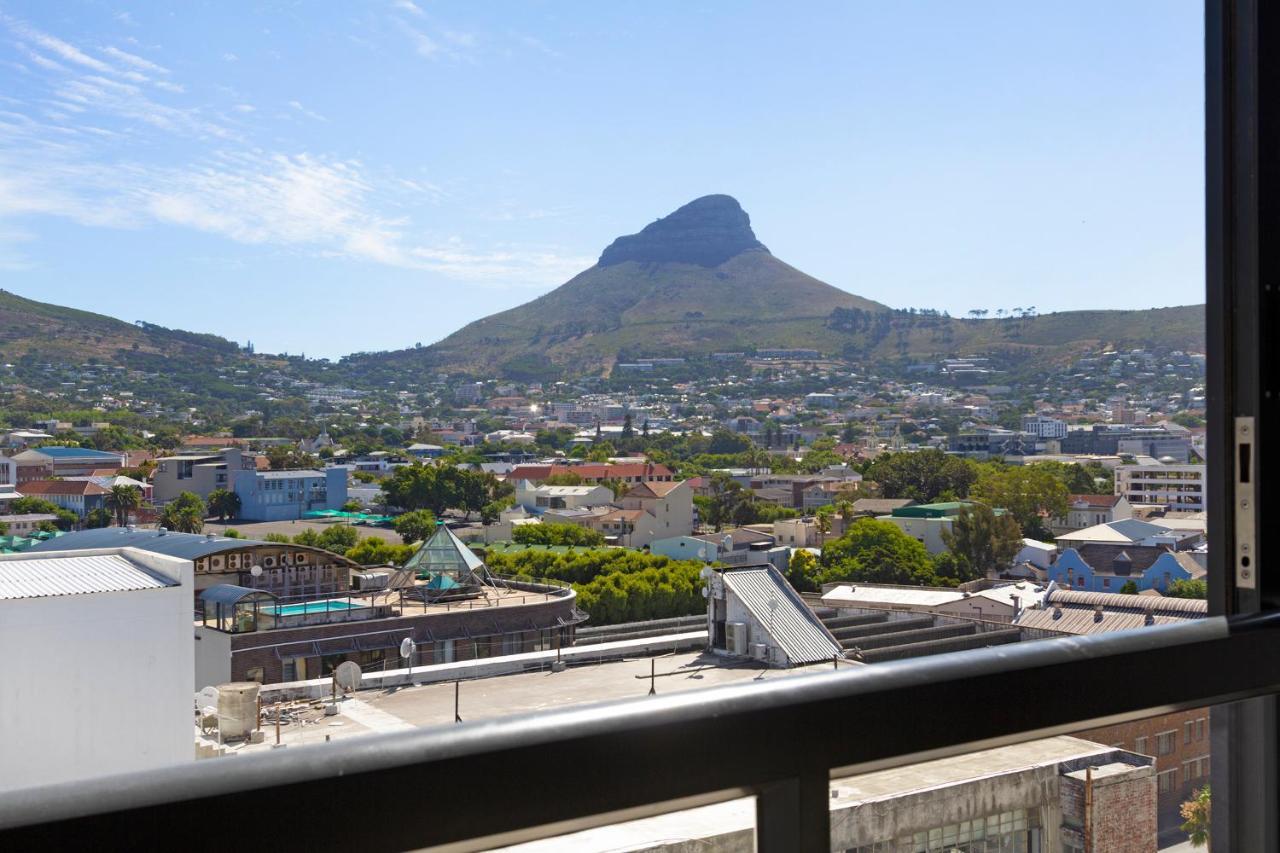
<point>535,691</point>
<point>259,529</point>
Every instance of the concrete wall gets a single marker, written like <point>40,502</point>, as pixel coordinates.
<point>99,683</point>
<point>926,530</point>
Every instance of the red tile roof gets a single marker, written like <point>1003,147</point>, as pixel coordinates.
<point>1100,501</point>
<point>63,487</point>
<point>590,471</point>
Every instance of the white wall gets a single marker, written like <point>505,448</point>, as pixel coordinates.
<point>99,683</point>
<point>213,657</point>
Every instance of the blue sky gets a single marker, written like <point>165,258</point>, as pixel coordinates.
<point>330,177</point>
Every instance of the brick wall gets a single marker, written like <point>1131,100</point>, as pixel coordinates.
<point>1123,818</point>
<point>1141,736</point>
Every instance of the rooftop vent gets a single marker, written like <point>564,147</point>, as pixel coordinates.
<point>1097,613</point>
<point>160,531</point>
<point>1150,619</point>
<point>1057,612</point>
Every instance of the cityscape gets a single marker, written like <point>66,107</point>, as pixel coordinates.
<point>683,464</point>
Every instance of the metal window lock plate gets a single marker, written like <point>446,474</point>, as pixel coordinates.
<point>1246,464</point>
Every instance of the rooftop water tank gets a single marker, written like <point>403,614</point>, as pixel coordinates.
<point>237,708</point>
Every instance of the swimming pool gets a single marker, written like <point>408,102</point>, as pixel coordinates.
<point>326,606</point>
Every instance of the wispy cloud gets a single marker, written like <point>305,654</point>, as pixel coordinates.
<point>70,152</point>
<point>134,60</point>
<point>407,6</point>
<point>297,106</point>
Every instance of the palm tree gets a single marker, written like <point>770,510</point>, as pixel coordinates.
<point>123,500</point>
<point>184,514</point>
<point>224,504</point>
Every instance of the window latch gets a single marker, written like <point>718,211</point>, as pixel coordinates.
<point>1246,463</point>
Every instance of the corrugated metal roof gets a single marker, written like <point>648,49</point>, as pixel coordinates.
<point>1140,603</point>
<point>793,626</point>
<point>42,577</point>
<point>188,546</point>
<point>1074,612</point>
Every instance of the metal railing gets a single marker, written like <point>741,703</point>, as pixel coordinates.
<point>781,740</point>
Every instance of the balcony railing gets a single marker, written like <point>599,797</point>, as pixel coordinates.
<point>586,766</point>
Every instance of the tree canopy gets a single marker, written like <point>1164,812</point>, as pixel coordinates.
<point>924,476</point>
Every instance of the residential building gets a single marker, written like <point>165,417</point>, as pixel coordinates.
<point>540,498</point>
<point>1044,427</point>
<point>98,665</point>
<point>1089,510</point>
<point>1109,568</point>
<point>1175,487</point>
<point>51,461</point>
<point>593,473</point>
<point>8,473</point>
<point>285,495</point>
<point>79,496</point>
<point>669,503</point>
<point>198,473</point>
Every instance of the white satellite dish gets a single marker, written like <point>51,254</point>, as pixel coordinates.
<point>256,571</point>
<point>347,675</point>
<point>406,647</point>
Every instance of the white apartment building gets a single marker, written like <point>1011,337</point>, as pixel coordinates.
<point>1180,488</point>
<point>1044,427</point>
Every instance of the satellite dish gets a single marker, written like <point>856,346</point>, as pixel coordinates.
<point>702,553</point>
<point>347,675</point>
<point>256,571</point>
<point>406,647</point>
<point>706,593</point>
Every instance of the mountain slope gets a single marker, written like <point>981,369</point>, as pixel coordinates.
<point>69,335</point>
<point>698,281</point>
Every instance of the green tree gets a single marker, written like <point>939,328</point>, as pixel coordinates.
<point>373,551</point>
<point>337,538</point>
<point>873,551</point>
<point>415,526</point>
<point>1129,588</point>
<point>1182,588</point>
<point>123,500</point>
<point>1196,815</point>
<point>1030,493</point>
<point>924,476</point>
<point>184,514</point>
<point>802,570</point>
<point>232,533</point>
<point>822,520</point>
<point>276,537</point>
<point>981,541</point>
<point>565,478</point>
<point>352,506</point>
<point>556,534</point>
<point>628,428</point>
<point>99,517</point>
<point>284,458</point>
<point>224,504</point>
<point>66,519</point>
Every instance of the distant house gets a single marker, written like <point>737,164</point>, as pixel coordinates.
<point>1145,567</point>
<point>424,451</point>
<point>1088,510</point>
<point>593,473</point>
<point>669,503</point>
<point>79,496</point>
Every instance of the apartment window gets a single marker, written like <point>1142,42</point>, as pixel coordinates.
<point>1140,745</point>
<point>1165,742</point>
<point>1166,781</point>
<point>1188,729</point>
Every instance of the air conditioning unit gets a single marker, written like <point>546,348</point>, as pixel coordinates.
<point>233,561</point>
<point>736,637</point>
<point>759,651</point>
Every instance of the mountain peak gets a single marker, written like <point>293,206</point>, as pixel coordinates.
<point>707,231</point>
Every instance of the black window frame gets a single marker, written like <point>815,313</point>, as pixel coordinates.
<point>783,740</point>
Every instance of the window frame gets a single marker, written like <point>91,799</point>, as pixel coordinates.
<point>673,747</point>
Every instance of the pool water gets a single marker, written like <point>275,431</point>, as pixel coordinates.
<point>312,607</point>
